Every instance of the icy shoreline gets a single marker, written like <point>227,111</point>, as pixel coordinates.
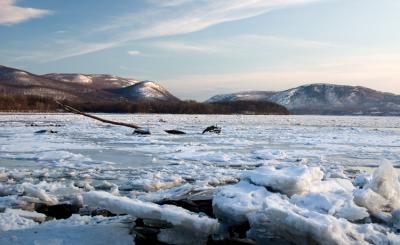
<point>264,179</point>
<point>303,207</point>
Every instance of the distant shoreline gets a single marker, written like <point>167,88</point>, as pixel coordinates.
<point>29,103</point>
<point>4,113</point>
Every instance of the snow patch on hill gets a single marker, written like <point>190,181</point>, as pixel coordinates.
<point>146,90</point>
<point>82,79</point>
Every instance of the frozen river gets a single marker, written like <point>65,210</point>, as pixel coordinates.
<point>89,155</point>
<point>245,140</point>
<point>88,149</point>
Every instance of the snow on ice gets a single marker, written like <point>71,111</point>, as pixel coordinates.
<point>302,179</point>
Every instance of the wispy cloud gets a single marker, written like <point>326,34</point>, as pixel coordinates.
<point>11,14</point>
<point>183,46</point>
<point>192,16</point>
<point>170,3</point>
<point>174,18</point>
<point>71,48</point>
<point>281,41</point>
<point>239,43</point>
<point>134,52</point>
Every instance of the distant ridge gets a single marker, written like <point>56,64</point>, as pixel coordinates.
<point>325,99</point>
<point>80,87</point>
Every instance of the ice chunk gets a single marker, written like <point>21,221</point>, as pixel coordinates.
<point>334,197</point>
<point>175,215</point>
<point>332,185</point>
<point>8,201</point>
<point>377,206</point>
<point>381,196</point>
<point>75,230</point>
<point>338,204</point>
<point>3,175</point>
<point>10,220</point>
<point>289,180</point>
<point>280,218</point>
<point>34,191</point>
<point>157,181</point>
<point>362,180</point>
<point>232,203</point>
<point>186,191</point>
<point>385,182</point>
<point>38,217</point>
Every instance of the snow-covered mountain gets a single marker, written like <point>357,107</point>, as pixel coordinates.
<point>146,91</point>
<point>80,87</point>
<point>101,81</point>
<point>19,82</point>
<point>326,99</point>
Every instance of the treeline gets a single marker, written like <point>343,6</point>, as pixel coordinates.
<point>40,104</point>
<point>26,103</point>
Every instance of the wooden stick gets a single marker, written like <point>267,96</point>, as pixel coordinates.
<point>73,110</point>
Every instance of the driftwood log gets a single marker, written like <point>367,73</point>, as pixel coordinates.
<point>139,130</point>
<point>73,110</point>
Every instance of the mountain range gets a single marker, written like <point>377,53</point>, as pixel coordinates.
<point>322,98</point>
<point>318,98</point>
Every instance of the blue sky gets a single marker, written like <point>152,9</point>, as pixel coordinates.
<point>198,48</point>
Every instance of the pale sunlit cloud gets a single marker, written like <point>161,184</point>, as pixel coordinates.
<point>183,46</point>
<point>134,52</point>
<point>11,14</point>
<point>239,43</point>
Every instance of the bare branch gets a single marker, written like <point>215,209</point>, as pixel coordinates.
<point>73,110</point>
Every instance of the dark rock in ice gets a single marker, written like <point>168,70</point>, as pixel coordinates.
<point>59,211</point>
<point>212,129</point>
<point>44,131</point>
<point>174,131</point>
<point>142,131</point>
<point>43,125</point>
<point>230,241</point>
<point>146,235</point>
<point>102,212</point>
<point>41,131</point>
<point>86,211</point>
<point>146,232</point>
<point>239,231</point>
<point>237,235</point>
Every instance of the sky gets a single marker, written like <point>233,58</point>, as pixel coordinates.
<point>199,48</point>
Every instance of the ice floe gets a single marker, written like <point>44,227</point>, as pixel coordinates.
<point>11,220</point>
<point>291,180</point>
<point>323,212</point>
<point>381,196</point>
<point>75,230</point>
<point>283,219</point>
<point>175,215</point>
